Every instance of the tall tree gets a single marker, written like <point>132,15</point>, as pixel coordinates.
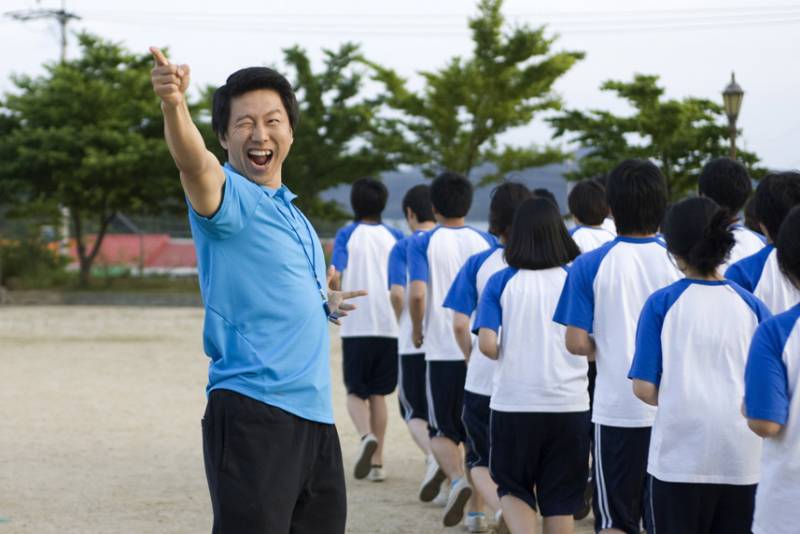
<point>88,135</point>
<point>455,121</point>
<point>678,135</point>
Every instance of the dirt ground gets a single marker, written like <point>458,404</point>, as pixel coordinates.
<point>100,413</point>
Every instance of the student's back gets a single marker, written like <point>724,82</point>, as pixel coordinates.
<point>747,243</point>
<point>589,238</point>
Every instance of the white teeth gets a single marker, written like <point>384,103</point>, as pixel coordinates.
<point>260,152</point>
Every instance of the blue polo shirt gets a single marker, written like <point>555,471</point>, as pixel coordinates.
<point>265,328</point>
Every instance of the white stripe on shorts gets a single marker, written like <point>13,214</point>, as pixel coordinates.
<point>401,393</point>
<point>600,481</point>
<point>429,395</point>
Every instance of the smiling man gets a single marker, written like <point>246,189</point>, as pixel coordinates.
<point>271,450</point>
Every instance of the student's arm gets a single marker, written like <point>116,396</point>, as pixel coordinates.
<point>764,428</point>
<point>580,343</point>
<point>487,342</point>
<point>416,308</point>
<point>646,391</point>
<point>397,294</point>
<point>766,390</point>
<point>200,172</point>
<point>462,333</point>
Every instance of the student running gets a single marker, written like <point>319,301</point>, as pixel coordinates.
<point>434,260</point>
<point>463,298</point>
<point>588,206</point>
<point>369,338</point>
<point>691,350</point>
<point>772,399</point>
<point>539,402</point>
<point>726,182</point>
<point>418,212</point>
<point>760,274</point>
<point>600,306</point>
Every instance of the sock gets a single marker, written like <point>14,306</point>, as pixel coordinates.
<point>475,514</point>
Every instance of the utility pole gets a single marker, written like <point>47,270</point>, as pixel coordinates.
<point>63,17</point>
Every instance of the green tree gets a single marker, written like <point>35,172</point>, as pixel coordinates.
<point>88,135</point>
<point>680,136</point>
<point>455,120</point>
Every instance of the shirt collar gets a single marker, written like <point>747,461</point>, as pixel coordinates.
<point>282,192</point>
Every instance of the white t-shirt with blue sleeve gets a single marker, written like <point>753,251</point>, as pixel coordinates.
<point>361,254</point>
<point>761,275</point>
<point>535,373</point>
<point>463,298</point>
<point>398,275</point>
<point>435,258</point>
<point>692,342</point>
<point>604,294</point>
<point>772,392</point>
<point>747,243</point>
<point>589,238</point>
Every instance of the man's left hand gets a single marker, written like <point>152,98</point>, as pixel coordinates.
<point>336,299</point>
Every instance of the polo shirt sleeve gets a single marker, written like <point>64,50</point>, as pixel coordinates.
<point>418,259</point>
<point>576,304</point>
<point>766,383</point>
<point>398,271</point>
<point>240,197</point>
<point>340,254</point>
<point>648,355</point>
<point>490,310</point>
<point>463,294</point>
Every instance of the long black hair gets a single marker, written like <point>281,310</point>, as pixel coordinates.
<point>698,231</point>
<point>539,239</point>
<point>788,245</point>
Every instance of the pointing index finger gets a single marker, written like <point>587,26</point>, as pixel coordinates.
<point>158,56</point>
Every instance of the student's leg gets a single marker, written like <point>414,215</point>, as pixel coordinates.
<point>445,398</point>
<point>378,419</point>
<point>418,428</point>
<point>359,412</point>
<point>518,515</point>
<point>475,417</point>
<point>356,366</point>
<point>734,512</point>
<point>558,524</point>
<point>411,397</point>
<point>483,483</point>
<point>448,456</point>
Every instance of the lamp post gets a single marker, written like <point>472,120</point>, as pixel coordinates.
<point>732,98</point>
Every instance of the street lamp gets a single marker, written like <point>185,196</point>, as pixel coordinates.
<point>732,97</point>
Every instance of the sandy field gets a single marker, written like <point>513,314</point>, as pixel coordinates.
<point>100,413</point>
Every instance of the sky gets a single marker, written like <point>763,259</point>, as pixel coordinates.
<point>692,45</point>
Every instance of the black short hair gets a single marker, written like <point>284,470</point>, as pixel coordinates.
<point>368,198</point>
<point>543,192</point>
<point>698,231</point>
<point>539,239</point>
<point>251,79</point>
<point>506,198</point>
<point>776,194</point>
<point>726,182</point>
<point>587,202</point>
<point>750,219</point>
<point>788,246</point>
<point>637,196</point>
<point>418,200</point>
<point>451,195</point>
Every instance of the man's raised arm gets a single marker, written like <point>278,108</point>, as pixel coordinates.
<point>201,175</point>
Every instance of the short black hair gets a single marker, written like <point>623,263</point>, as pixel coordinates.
<point>726,182</point>
<point>418,200</point>
<point>776,194</point>
<point>251,79</point>
<point>451,195</point>
<point>506,198</point>
<point>543,192</point>
<point>698,231</point>
<point>368,198</point>
<point>788,246</point>
<point>636,192</point>
<point>750,219</point>
<point>587,202</point>
<point>539,239</point>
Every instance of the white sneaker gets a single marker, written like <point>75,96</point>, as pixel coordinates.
<point>364,459</point>
<point>444,493</point>
<point>476,522</point>
<point>376,474</point>
<point>434,476</point>
<point>500,526</point>
<point>460,492</point>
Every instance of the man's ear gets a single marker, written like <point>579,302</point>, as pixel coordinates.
<point>223,141</point>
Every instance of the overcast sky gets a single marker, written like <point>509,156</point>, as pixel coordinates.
<point>692,45</point>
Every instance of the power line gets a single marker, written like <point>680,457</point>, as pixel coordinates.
<point>62,16</point>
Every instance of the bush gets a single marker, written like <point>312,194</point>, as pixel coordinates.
<point>31,263</point>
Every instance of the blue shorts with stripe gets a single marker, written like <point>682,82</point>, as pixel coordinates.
<point>411,387</point>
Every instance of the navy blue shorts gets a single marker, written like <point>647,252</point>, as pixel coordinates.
<point>369,365</point>
<point>411,387</point>
<point>620,478</point>
<point>445,391</point>
<point>548,451</point>
<point>678,507</point>
<point>476,424</point>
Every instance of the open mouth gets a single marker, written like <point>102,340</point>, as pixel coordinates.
<point>260,158</point>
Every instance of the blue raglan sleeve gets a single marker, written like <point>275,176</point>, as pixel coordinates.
<point>340,254</point>
<point>418,259</point>
<point>490,312</point>
<point>239,201</point>
<point>463,294</point>
<point>576,304</point>
<point>766,384</point>
<point>398,272</point>
<point>648,355</point>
